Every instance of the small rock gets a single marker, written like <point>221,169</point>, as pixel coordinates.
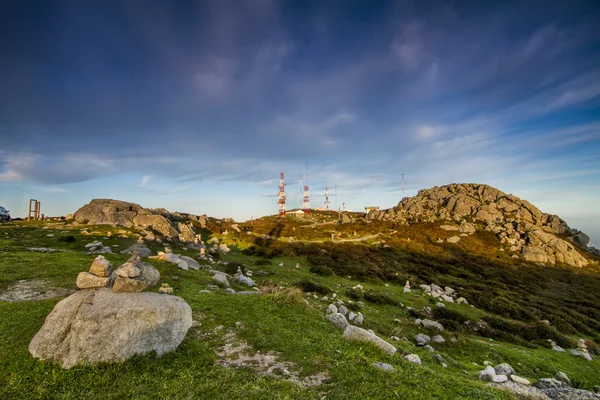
<point>85,280</point>
<point>383,366</point>
<point>343,310</point>
<point>438,339</point>
<point>427,323</point>
<point>413,358</point>
<point>422,339</point>
<point>504,369</point>
<point>332,309</point>
<point>351,316</point>
<point>581,353</point>
<point>221,280</point>
<point>499,378</point>
<point>519,380</point>
<point>338,320</point>
<point>429,348</point>
<point>562,377</point>
<point>548,383</point>
<point>359,334</point>
<point>487,374</point>
<point>461,300</point>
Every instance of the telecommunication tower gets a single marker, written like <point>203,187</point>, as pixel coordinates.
<point>402,184</point>
<point>281,198</point>
<point>326,198</point>
<point>306,205</point>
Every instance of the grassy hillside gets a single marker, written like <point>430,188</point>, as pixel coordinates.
<point>512,297</point>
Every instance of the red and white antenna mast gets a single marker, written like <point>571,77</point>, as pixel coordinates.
<point>281,196</point>
<point>306,205</point>
<point>326,198</point>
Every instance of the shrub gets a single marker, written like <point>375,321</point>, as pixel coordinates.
<point>378,298</point>
<point>262,262</point>
<point>67,239</point>
<point>446,314</point>
<point>354,294</point>
<point>232,267</point>
<point>312,287</point>
<point>321,270</point>
<point>281,295</point>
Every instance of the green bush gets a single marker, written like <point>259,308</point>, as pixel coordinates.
<point>354,294</point>
<point>321,270</point>
<point>312,287</point>
<point>379,298</point>
<point>67,239</point>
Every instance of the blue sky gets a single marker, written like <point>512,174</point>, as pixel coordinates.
<point>197,106</point>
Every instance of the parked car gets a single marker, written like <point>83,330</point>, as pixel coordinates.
<point>4,215</point>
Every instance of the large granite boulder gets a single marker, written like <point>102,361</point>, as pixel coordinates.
<point>96,326</point>
<point>107,211</point>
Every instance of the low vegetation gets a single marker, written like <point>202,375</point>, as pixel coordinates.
<point>522,305</point>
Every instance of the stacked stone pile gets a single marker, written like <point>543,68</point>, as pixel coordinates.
<point>98,275</point>
<point>97,248</point>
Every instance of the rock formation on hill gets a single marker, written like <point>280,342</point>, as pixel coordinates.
<point>116,212</point>
<point>517,223</point>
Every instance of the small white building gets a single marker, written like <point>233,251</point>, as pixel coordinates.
<point>296,213</point>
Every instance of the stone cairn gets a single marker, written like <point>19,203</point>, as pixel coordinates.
<point>131,277</point>
<point>165,289</point>
<point>98,275</point>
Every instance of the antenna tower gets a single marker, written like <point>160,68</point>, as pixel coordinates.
<point>326,198</point>
<point>281,196</point>
<point>403,184</point>
<point>306,205</point>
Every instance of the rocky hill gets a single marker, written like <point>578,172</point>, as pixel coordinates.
<point>526,231</point>
<point>121,213</point>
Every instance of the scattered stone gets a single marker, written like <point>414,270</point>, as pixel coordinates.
<point>407,287</point>
<point>351,316</point>
<point>453,239</point>
<point>438,339</point>
<point>548,383</point>
<point>429,324</point>
<point>383,366</point>
<point>85,328</point>
<point>504,369</point>
<point>429,348</point>
<point>421,339</point>
<point>139,249</point>
<point>519,380</point>
<point>359,334</point>
<point>581,353</point>
<point>338,320</point>
<point>562,377</point>
<point>413,358</point>
<point>221,280</point>
<point>440,305</point>
<point>487,374</point>
<point>342,309</point>
<point>193,264</point>
<point>461,300</point>
<point>499,378</point>
<point>332,309</point>
<point>359,319</point>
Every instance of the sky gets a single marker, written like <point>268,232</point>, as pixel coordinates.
<point>197,106</point>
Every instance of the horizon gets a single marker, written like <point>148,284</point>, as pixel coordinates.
<point>198,107</point>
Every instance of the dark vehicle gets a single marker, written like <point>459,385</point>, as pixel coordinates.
<point>4,215</point>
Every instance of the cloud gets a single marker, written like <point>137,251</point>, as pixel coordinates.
<point>57,190</point>
<point>145,180</point>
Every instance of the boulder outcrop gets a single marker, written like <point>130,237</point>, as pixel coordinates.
<point>518,224</point>
<point>129,215</point>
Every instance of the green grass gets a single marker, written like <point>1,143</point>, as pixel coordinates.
<point>299,333</point>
